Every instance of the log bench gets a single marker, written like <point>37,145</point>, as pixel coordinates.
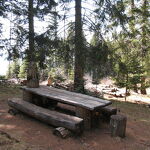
<point>108,111</point>
<point>54,118</point>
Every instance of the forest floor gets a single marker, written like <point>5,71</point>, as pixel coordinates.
<point>21,132</point>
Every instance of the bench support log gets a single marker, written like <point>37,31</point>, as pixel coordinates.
<point>27,96</point>
<point>38,100</point>
<point>85,115</point>
<point>107,112</point>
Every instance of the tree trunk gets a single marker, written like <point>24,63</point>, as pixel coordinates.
<point>135,88</point>
<point>127,86</point>
<point>143,87</point>
<point>32,76</point>
<point>132,22</point>
<point>32,73</point>
<point>79,50</point>
<point>144,42</point>
<point>144,22</point>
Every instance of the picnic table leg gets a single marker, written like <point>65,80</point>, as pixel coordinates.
<point>38,100</point>
<point>27,96</point>
<point>85,115</point>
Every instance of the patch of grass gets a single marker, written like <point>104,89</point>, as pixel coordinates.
<point>137,112</point>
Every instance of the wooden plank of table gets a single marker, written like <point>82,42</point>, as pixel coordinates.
<point>67,97</point>
<point>79,95</point>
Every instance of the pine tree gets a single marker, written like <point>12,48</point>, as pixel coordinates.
<point>79,64</point>
<point>144,40</point>
<point>98,57</point>
<point>9,73</point>
<point>32,72</point>
<point>23,69</point>
<point>15,69</point>
<point>20,10</point>
<point>79,49</point>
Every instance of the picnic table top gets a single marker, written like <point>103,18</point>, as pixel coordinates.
<point>67,97</point>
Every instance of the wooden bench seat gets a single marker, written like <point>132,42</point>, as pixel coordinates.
<point>107,111</point>
<point>50,117</point>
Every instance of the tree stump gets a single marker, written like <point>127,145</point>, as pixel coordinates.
<point>118,125</point>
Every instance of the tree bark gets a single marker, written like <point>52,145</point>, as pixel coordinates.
<point>144,42</point>
<point>86,115</point>
<point>132,22</point>
<point>32,76</point>
<point>32,72</point>
<point>79,50</point>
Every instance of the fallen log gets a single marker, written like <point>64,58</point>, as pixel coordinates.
<point>50,117</point>
<point>115,94</point>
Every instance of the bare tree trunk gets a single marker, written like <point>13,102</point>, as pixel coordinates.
<point>135,88</point>
<point>79,50</point>
<point>127,86</point>
<point>32,73</point>
<point>144,42</point>
<point>143,87</point>
<point>132,23</point>
<point>32,76</point>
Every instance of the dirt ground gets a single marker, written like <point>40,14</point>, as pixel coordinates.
<point>21,132</point>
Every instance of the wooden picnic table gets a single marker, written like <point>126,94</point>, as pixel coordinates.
<point>85,105</point>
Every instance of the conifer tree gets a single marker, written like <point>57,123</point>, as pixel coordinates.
<point>24,14</point>
<point>23,69</point>
<point>32,72</point>
<point>79,49</point>
<point>144,40</point>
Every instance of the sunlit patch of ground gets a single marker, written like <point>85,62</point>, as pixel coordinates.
<point>109,84</point>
